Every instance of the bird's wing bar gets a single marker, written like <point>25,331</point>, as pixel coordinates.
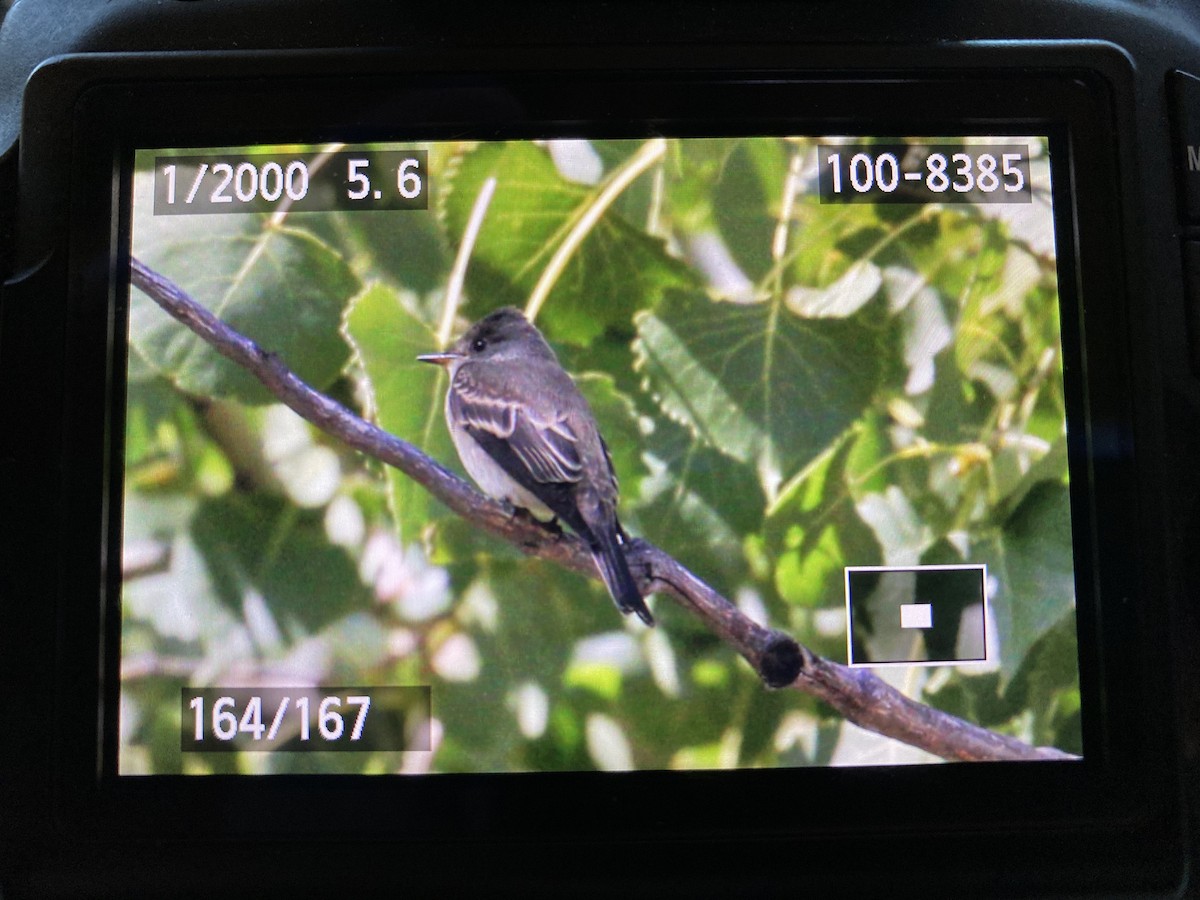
<point>477,409</point>
<point>546,449</point>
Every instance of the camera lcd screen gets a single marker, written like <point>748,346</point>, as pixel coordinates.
<point>822,374</point>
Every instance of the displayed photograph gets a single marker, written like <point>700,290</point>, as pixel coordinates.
<point>595,455</point>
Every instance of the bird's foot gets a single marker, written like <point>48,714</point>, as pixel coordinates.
<point>521,514</point>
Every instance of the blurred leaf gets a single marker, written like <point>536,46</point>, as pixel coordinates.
<point>764,386</point>
<point>405,247</point>
<point>1051,467</point>
<point>902,534</point>
<point>602,680</point>
<point>406,396</point>
<point>150,407</point>
<point>962,253</point>
<point>762,718</point>
<point>955,410</point>
<point>178,602</point>
<point>745,200</point>
<point>618,269</point>
<point>810,577</point>
<point>259,544</point>
<point>277,285</point>
<point>1032,560</point>
<point>866,471</point>
<point>693,168</point>
<point>732,192</point>
<point>634,204</point>
<point>611,355</point>
<point>926,330</point>
<point>976,698</point>
<point>698,504</point>
<point>155,516</point>
<point>814,531</point>
<point>1048,685</point>
<point>844,297</point>
<point>987,345</point>
<point>540,611</point>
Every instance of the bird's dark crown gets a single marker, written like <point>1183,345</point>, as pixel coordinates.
<point>501,331</point>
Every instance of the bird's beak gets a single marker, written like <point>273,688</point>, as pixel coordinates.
<point>440,359</point>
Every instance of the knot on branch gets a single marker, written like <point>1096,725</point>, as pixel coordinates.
<point>782,661</point>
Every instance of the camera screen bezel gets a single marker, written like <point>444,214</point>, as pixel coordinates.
<point>111,117</point>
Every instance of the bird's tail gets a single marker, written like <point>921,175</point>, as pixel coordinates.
<point>610,561</point>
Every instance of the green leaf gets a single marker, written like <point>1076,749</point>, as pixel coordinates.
<point>1032,560</point>
<point>178,603</point>
<point>764,386</point>
<point>406,247</point>
<point>277,285</point>
<point>612,355</point>
<point>405,395</point>
<point>1052,466</point>
<point>866,468</point>
<point>746,198</point>
<point>262,545</point>
<point>699,504</point>
<point>901,532</point>
<point>814,531</point>
<point>926,329</point>
<point>844,297</point>
<point>150,404</point>
<point>1048,684</point>
<point>618,421</point>
<point>617,270</point>
<point>636,201</point>
<point>692,168</point>
<point>524,617</point>
<point>810,578</point>
<point>954,410</point>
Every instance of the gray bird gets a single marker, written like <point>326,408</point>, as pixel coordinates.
<point>526,435</point>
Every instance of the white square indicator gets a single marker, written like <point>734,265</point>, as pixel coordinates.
<point>890,615</point>
<point>916,615</point>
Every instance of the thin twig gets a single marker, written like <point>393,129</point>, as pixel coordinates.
<point>857,694</point>
<point>458,272</point>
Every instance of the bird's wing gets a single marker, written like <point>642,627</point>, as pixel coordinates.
<point>543,444</point>
<point>612,470</point>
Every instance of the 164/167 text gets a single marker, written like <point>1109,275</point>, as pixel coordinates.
<point>304,719</point>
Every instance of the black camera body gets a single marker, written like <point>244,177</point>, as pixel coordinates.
<point>965,130</point>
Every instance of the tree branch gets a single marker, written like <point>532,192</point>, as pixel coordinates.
<point>857,694</point>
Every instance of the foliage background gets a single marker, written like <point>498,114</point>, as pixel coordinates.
<point>787,388</point>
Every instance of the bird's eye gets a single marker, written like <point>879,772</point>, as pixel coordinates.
<point>478,345</point>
